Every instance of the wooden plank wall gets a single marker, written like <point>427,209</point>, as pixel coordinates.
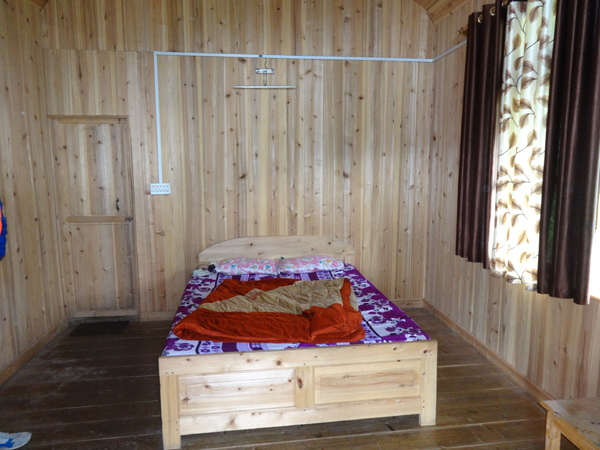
<point>342,156</point>
<point>553,342</point>
<point>388,28</point>
<point>31,306</point>
<point>330,157</point>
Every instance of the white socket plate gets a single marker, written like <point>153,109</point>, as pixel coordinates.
<point>160,188</point>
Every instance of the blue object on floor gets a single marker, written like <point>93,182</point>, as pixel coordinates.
<point>14,440</point>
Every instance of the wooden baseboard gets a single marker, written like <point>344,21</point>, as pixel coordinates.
<point>28,354</point>
<point>531,388</point>
<point>105,313</point>
<point>404,303</point>
<point>156,316</point>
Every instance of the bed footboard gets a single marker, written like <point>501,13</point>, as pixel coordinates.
<point>237,391</point>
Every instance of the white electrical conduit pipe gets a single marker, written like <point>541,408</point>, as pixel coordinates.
<point>164,188</point>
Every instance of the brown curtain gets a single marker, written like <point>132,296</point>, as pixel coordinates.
<point>572,152</point>
<point>483,85</point>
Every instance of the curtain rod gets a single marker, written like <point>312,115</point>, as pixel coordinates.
<point>465,30</point>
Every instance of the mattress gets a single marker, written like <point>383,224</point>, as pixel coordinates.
<point>382,320</point>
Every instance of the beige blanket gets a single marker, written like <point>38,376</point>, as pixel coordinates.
<point>294,299</point>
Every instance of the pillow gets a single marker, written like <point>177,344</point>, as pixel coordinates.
<point>240,266</point>
<point>308,264</point>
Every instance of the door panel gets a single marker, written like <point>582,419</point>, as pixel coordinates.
<point>93,189</point>
<point>103,266</point>
<point>97,169</point>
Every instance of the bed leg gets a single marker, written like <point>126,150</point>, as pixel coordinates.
<point>169,405</point>
<point>429,388</point>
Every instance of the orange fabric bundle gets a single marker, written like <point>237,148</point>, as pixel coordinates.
<point>317,325</point>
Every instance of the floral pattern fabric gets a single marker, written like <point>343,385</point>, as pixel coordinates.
<point>382,320</point>
<point>308,264</point>
<point>241,266</point>
<point>524,108</point>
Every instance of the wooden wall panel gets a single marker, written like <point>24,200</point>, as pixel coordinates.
<point>387,28</point>
<point>84,24</point>
<point>553,342</point>
<point>235,170</point>
<point>327,158</point>
<point>87,83</point>
<point>322,159</point>
<point>39,3</point>
<point>31,305</point>
<point>439,10</point>
<point>132,88</point>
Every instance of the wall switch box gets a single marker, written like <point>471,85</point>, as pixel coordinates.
<point>160,188</point>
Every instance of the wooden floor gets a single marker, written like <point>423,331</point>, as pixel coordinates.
<point>103,393</point>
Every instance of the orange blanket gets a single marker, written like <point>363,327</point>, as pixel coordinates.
<point>332,317</point>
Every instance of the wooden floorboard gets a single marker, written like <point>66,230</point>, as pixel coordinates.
<point>102,392</point>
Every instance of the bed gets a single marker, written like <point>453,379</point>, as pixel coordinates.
<point>208,387</point>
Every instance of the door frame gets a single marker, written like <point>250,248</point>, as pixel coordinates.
<point>55,121</point>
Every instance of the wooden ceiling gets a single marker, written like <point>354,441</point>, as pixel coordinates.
<point>39,3</point>
<point>438,10</point>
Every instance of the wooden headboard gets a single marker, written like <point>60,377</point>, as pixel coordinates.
<point>274,247</point>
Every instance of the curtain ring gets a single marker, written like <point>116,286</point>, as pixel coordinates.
<point>493,10</point>
<point>480,18</point>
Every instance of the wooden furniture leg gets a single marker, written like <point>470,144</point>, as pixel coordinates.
<point>169,405</point>
<point>429,388</point>
<point>552,433</point>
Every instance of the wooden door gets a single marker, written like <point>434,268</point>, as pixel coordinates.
<point>93,187</point>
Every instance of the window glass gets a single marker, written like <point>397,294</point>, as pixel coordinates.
<point>595,270</point>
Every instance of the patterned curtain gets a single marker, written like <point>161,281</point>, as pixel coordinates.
<point>524,107</point>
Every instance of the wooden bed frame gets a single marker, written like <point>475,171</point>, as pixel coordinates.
<point>246,390</point>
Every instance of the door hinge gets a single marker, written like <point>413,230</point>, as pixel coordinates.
<point>129,219</point>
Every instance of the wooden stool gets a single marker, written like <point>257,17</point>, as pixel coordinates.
<point>578,420</point>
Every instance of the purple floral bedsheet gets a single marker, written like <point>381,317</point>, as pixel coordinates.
<point>382,320</point>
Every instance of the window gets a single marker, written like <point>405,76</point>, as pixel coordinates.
<point>595,269</point>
